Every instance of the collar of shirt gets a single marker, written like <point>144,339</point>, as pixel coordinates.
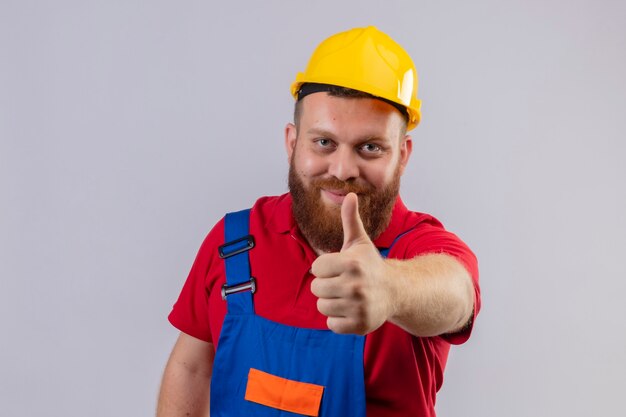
<point>282,221</point>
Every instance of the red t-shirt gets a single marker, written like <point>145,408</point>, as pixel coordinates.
<point>402,372</point>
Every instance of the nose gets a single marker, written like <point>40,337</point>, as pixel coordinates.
<point>344,164</point>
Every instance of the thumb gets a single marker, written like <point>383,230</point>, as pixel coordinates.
<point>353,230</point>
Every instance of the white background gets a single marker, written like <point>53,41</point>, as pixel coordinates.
<point>127,128</point>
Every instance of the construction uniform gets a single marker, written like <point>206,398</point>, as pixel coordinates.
<point>386,373</point>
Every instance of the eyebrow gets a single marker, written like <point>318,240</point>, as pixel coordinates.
<point>320,132</point>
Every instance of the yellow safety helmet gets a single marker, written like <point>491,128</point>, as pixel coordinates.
<point>367,60</point>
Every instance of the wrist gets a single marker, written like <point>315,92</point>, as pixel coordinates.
<point>393,288</point>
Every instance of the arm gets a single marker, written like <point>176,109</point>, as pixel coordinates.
<point>429,295</point>
<point>186,381</point>
<point>358,290</point>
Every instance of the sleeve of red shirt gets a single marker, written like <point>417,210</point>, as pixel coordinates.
<point>431,238</point>
<point>190,313</point>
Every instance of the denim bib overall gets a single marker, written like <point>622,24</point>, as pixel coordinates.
<point>263,368</point>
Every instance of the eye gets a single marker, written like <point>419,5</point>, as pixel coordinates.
<point>371,148</point>
<point>324,143</point>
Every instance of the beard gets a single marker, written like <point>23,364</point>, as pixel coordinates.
<point>321,224</point>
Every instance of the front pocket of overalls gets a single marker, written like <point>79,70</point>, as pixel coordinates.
<point>283,394</point>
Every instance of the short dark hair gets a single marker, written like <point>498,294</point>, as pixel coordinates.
<point>337,91</point>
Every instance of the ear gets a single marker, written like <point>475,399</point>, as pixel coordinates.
<point>406,147</point>
<point>291,134</point>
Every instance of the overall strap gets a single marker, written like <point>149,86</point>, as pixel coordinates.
<point>239,285</point>
<point>384,252</point>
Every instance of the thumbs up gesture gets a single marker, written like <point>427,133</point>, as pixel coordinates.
<point>350,285</point>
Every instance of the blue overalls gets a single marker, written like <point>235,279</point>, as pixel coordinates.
<point>263,368</point>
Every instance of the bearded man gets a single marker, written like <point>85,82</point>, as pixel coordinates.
<point>333,299</point>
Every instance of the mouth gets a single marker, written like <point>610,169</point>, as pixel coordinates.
<point>333,196</point>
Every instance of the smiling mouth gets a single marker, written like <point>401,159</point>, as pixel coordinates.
<point>334,196</point>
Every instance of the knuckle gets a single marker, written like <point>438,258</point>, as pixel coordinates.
<point>356,291</point>
<point>353,265</point>
<point>315,266</point>
<point>362,319</point>
<point>333,325</point>
<point>315,287</point>
<point>343,328</point>
<point>359,327</point>
<point>322,306</point>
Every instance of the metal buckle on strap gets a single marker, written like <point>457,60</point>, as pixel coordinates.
<point>234,289</point>
<point>236,247</point>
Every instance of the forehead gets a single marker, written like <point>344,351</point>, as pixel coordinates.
<point>349,116</point>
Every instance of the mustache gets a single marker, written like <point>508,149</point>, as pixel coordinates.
<point>343,186</point>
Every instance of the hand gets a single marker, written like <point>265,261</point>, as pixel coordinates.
<point>351,284</point>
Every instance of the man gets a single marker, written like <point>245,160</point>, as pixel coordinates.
<point>333,299</point>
